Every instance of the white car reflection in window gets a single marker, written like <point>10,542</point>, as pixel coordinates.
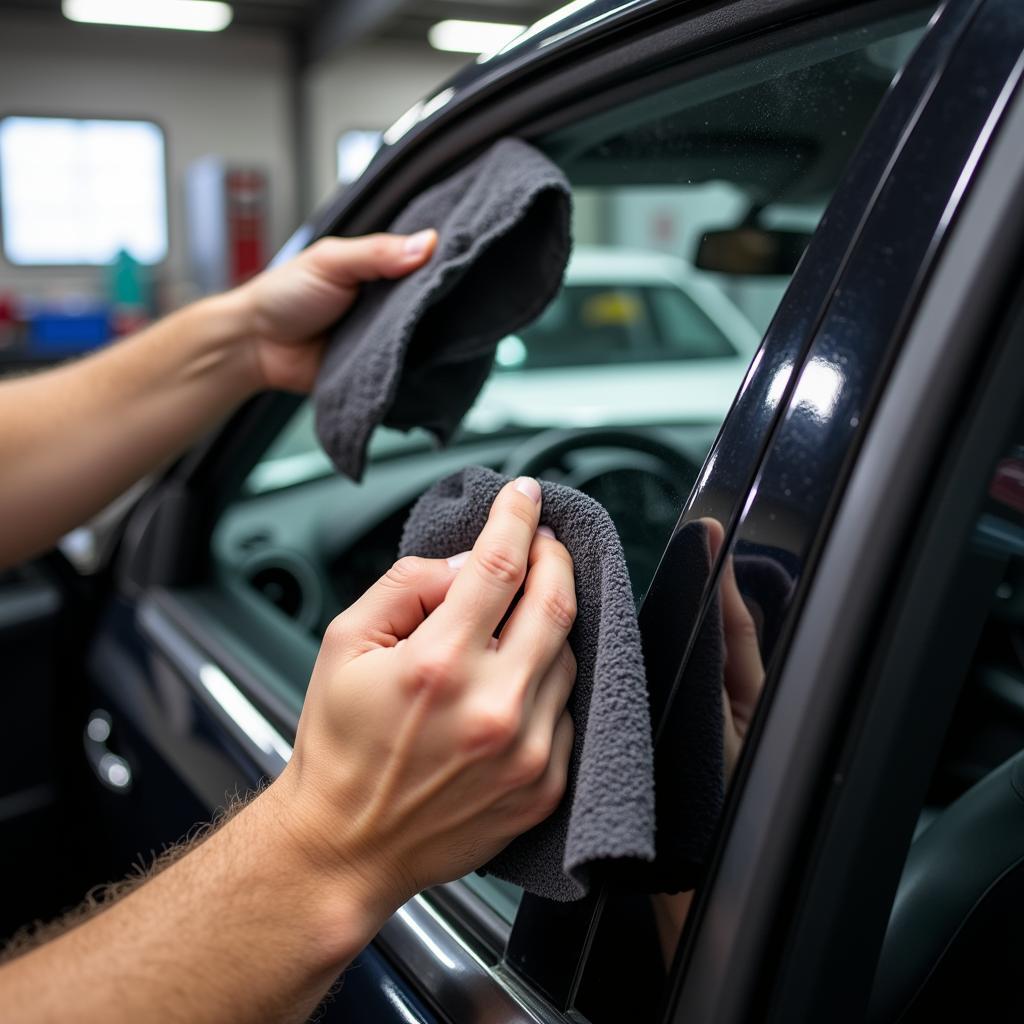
<point>634,337</point>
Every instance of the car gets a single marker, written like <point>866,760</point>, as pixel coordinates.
<point>852,177</point>
<point>638,322</point>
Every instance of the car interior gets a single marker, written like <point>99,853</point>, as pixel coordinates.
<point>954,933</point>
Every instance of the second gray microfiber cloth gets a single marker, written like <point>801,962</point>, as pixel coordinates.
<point>608,812</point>
<point>415,352</point>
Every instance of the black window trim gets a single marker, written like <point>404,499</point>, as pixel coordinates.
<point>795,764</point>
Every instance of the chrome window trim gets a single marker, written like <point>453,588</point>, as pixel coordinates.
<point>211,684</point>
<point>426,946</point>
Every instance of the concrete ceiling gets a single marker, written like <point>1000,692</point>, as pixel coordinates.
<point>326,26</point>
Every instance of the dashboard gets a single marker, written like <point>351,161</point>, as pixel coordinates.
<point>313,547</point>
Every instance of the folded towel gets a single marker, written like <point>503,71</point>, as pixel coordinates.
<point>415,352</point>
<point>607,815</point>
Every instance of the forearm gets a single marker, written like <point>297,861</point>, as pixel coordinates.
<point>74,438</point>
<point>242,928</point>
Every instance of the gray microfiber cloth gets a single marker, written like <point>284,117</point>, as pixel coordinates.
<point>607,815</point>
<point>415,352</point>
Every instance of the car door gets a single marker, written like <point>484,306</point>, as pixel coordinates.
<point>851,762</point>
<point>204,652</point>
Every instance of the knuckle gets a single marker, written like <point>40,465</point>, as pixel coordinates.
<point>491,729</point>
<point>567,661</point>
<point>558,605</point>
<point>403,572</point>
<point>337,632</point>
<point>743,626</point>
<point>551,792</point>
<point>321,245</point>
<point>434,673</point>
<point>500,563</point>
<point>529,765</point>
<point>561,552</point>
<point>381,246</point>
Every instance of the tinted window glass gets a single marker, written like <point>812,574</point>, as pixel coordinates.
<point>645,336</point>
<point>616,323</point>
<point>956,927</point>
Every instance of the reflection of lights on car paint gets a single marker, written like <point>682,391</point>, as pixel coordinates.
<point>579,26</point>
<point>410,118</point>
<point>425,937</point>
<point>436,102</point>
<point>511,351</point>
<point>243,712</point>
<point>398,1001</point>
<point>98,729</point>
<point>709,468</point>
<point>541,26</point>
<point>355,151</point>
<point>777,385</point>
<point>415,114</point>
<point>456,35</point>
<point>819,387</point>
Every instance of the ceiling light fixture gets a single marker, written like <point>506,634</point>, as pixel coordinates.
<point>187,15</point>
<point>472,36</point>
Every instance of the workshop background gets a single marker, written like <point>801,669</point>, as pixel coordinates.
<point>141,167</point>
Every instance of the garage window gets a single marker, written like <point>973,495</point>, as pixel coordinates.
<point>76,192</point>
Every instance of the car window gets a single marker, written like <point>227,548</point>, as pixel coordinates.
<point>956,919</point>
<point>647,342</point>
<point>592,323</point>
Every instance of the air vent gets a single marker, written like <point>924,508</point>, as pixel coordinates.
<point>281,587</point>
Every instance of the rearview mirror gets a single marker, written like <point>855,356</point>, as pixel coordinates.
<point>751,250</point>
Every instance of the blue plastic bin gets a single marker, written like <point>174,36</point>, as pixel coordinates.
<point>58,333</point>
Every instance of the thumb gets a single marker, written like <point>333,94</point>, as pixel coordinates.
<point>395,605</point>
<point>347,262</point>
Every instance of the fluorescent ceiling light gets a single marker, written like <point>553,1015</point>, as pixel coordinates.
<point>472,36</point>
<point>190,15</point>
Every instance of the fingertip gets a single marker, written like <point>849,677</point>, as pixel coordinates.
<point>528,486</point>
<point>456,562</point>
<point>419,245</point>
<point>545,531</point>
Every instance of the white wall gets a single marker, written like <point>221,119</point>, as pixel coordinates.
<point>224,94</point>
<point>367,86</point>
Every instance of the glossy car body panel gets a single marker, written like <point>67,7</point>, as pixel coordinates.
<point>849,362</point>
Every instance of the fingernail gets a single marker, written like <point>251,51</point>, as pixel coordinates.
<point>528,486</point>
<point>457,561</point>
<point>546,531</point>
<point>417,245</point>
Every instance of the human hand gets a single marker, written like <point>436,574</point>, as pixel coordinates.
<point>287,308</point>
<point>744,670</point>
<point>743,678</point>
<point>425,746</point>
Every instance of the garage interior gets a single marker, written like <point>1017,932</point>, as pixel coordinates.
<point>290,96</point>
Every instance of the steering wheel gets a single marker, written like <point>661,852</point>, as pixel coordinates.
<point>642,483</point>
<point>548,449</point>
